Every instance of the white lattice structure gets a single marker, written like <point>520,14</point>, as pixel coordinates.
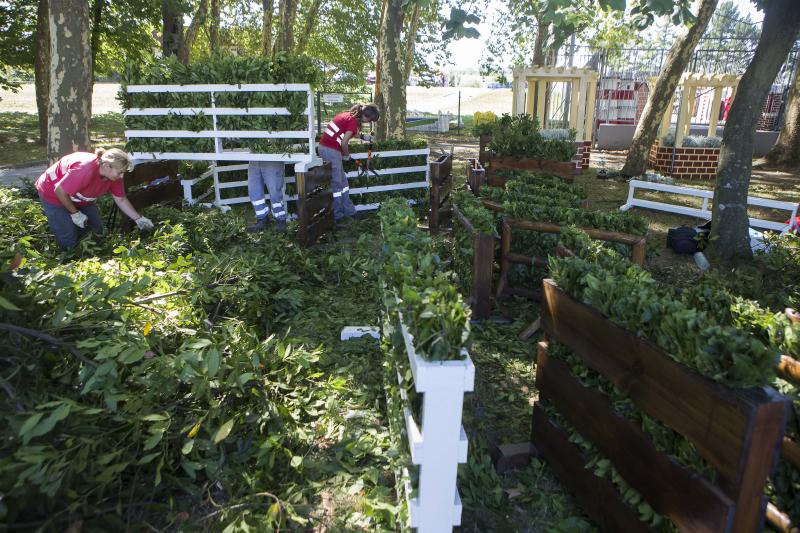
<point>690,82</point>
<point>583,89</point>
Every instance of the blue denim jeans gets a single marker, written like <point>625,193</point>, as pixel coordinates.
<point>67,234</point>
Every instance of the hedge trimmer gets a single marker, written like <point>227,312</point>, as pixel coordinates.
<point>364,168</point>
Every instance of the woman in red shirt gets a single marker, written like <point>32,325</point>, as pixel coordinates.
<point>334,148</point>
<point>70,186</point>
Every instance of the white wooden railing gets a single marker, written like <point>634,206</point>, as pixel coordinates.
<point>438,442</point>
<point>307,135</point>
<point>218,185</point>
<point>704,212</point>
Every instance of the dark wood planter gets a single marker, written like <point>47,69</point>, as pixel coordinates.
<point>737,431</point>
<point>166,193</point>
<point>314,204</point>
<point>480,298</point>
<point>441,185</point>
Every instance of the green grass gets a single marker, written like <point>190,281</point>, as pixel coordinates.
<point>19,134</point>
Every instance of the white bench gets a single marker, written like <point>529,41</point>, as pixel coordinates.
<point>704,212</point>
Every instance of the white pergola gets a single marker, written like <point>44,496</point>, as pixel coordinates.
<point>583,87</point>
<point>690,82</point>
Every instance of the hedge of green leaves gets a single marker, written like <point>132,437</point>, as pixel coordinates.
<point>432,307</point>
<point>219,69</point>
<point>706,328</point>
<point>520,136</point>
<point>727,346</point>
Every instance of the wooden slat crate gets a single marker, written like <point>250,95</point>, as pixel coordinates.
<point>480,298</point>
<point>441,185</point>
<point>163,193</point>
<point>494,163</point>
<point>737,431</point>
<point>476,176</point>
<point>314,204</point>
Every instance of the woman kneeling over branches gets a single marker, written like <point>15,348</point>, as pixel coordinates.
<point>70,186</point>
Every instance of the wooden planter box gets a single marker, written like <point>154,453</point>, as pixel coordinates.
<point>688,163</point>
<point>476,176</point>
<point>737,431</point>
<point>441,185</point>
<point>565,169</point>
<point>168,192</point>
<point>314,204</point>
<point>480,298</point>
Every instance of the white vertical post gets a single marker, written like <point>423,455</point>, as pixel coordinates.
<point>217,140</point>
<point>311,132</point>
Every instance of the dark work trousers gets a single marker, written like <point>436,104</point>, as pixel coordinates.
<point>66,232</point>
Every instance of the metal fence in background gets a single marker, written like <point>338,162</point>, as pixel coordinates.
<point>331,104</point>
<point>625,73</point>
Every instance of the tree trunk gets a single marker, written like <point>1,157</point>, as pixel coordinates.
<point>213,33</point>
<point>71,78</point>
<point>266,28</point>
<point>287,13</point>
<point>198,20</point>
<point>663,92</point>
<point>172,30</point>
<point>378,67</point>
<point>97,27</point>
<point>308,26</point>
<point>392,97</point>
<point>541,38</point>
<point>730,240</point>
<point>41,67</point>
<point>787,149</point>
<point>411,40</point>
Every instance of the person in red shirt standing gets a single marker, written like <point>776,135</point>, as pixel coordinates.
<point>70,186</point>
<point>334,148</point>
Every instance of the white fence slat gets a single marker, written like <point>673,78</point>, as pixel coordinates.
<point>223,156</point>
<point>704,212</point>
<point>220,111</point>
<point>218,134</point>
<point>219,87</point>
<point>388,171</point>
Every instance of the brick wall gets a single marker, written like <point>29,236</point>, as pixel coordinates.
<point>581,158</point>
<point>769,112</point>
<point>690,163</point>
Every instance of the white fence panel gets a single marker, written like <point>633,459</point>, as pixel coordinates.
<point>704,212</point>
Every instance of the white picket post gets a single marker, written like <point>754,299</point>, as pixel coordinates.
<point>440,443</point>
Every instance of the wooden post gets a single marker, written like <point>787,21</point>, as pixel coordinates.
<point>576,86</point>
<point>590,103</point>
<point>530,98</point>
<point>505,264</point>
<point>482,262</point>
<point>715,105</point>
<point>541,102</point>
<point>683,114</point>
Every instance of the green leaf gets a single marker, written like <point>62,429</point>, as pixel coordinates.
<point>29,424</point>
<point>5,304</point>
<point>223,431</point>
<point>212,361</point>
<point>296,461</point>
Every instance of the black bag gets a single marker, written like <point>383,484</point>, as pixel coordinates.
<point>682,240</point>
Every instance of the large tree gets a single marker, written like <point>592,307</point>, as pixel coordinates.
<point>787,149</point>
<point>70,78</point>
<point>391,94</point>
<point>663,91</point>
<point>41,67</point>
<point>729,227</point>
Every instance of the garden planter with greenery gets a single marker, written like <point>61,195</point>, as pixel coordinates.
<point>654,400</point>
<point>425,334</point>
<point>517,143</point>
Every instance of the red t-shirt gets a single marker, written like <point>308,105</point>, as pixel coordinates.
<point>336,128</point>
<point>79,176</point>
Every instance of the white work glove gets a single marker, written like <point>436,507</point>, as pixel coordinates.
<point>144,224</point>
<point>346,157</point>
<point>366,137</point>
<point>79,219</point>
